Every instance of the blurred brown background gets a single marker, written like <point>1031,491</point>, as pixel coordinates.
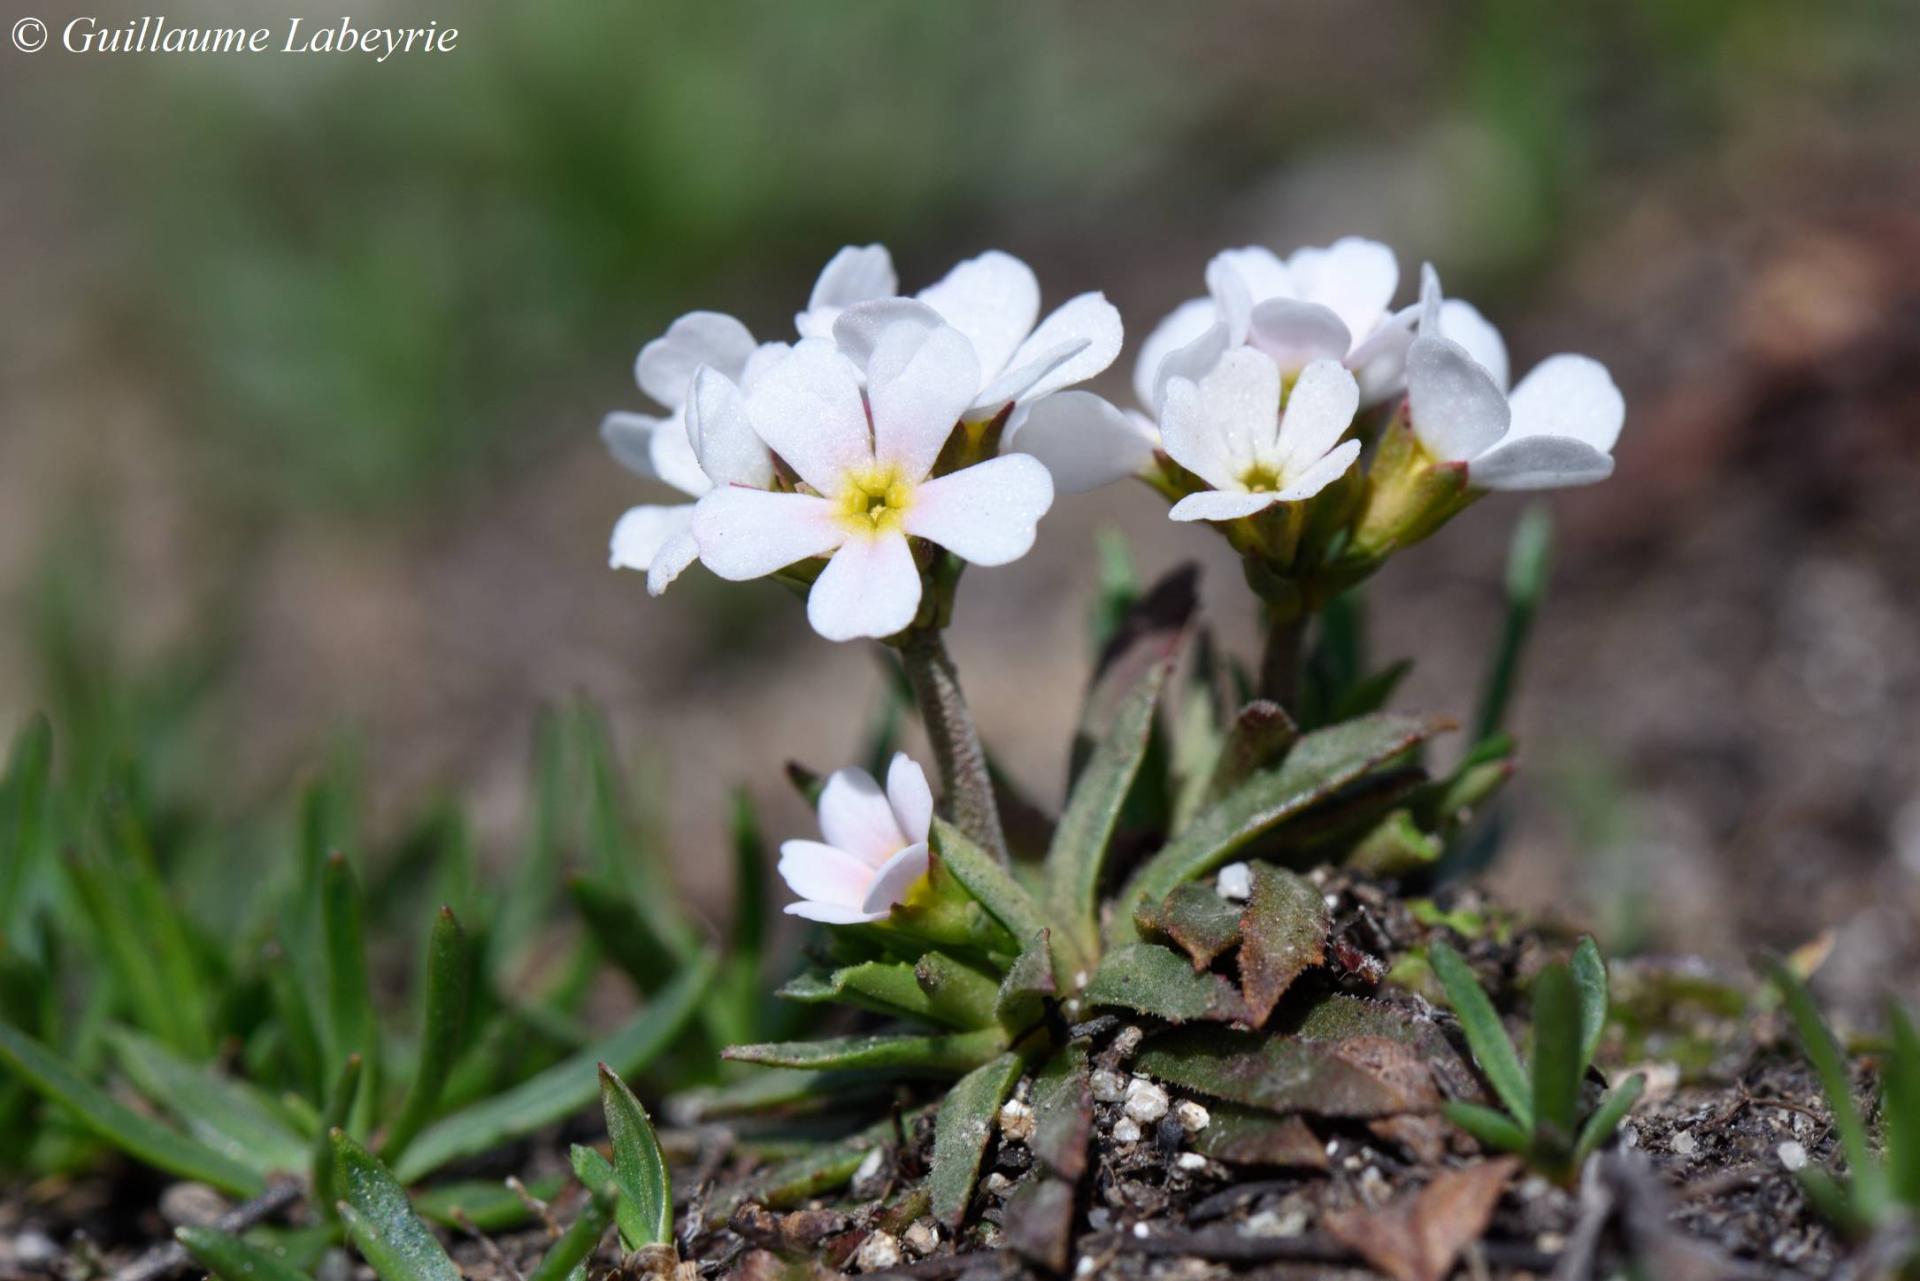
<point>301,360</point>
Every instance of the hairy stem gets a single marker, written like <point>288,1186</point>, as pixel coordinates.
<point>1280,658</point>
<point>965,786</point>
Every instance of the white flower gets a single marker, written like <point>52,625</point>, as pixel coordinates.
<point>994,301</point>
<point>867,460</point>
<point>874,851</point>
<point>658,539</point>
<point>1558,427</point>
<point>1328,303</point>
<point>1228,429</point>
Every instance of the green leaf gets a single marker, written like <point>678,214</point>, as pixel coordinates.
<point>1197,918</point>
<point>339,1106</point>
<point>1900,1083</point>
<point>1158,981</point>
<point>1063,1112</point>
<point>24,825</point>
<point>230,1258</point>
<point>1022,999</point>
<point>1492,1128</point>
<point>380,1222</point>
<point>1284,934</point>
<point>1243,1136</point>
<point>227,1115</point>
<point>623,933</point>
<point>101,892</point>
<point>1870,1191</point>
<point>1831,1202</point>
<point>488,1204</point>
<point>1260,734</point>
<point>141,1138</point>
<point>443,1030</point>
<point>826,1166</point>
<point>1078,853</point>
<point>746,955</point>
<point>1485,1035</point>
<point>1556,1062</point>
<point>567,1086</point>
<point>1528,561</point>
<point>293,1015</point>
<point>939,989</point>
<point>952,1052</point>
<point>992,885</point>
<point>961,1129</point>
<point>351,1028</point>
<point>166,941</point>
<point>1319,765</point>
<point>1590,978</point>
<point>1606,1118</point>
<point>577,1244</point>
<point>1396,847</point>
<point>645,1207</point>
<point>1283,1074</point>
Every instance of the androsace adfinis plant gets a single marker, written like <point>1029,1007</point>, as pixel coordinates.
<point>900,439</point>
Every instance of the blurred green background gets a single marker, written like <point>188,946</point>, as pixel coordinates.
<point>301,361</point>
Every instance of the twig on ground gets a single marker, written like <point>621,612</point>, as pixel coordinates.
<point>164,1260</point>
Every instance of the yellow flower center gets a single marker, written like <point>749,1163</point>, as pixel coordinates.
<point>875,499</point>
<point>1261,479</point>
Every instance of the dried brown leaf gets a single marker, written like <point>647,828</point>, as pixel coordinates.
<point>1419,1237</point>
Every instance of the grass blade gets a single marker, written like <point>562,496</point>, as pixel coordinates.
<point>623,933</point>
<point>955,1052</point>
<point>443,1020</point>
<point>1830,1065</point>
<point>645,1207</point>
<point>1556,1063</point>
<point>564,1088</point>
<point>1900,1083</point>
<point>1590,978</point>
<point>141,1138</point>
<point>577,1244</point>
<point>1492,1128</point>
<point>23,819</point>
<point>225,1114</point>
<point>230,1258</point>
<point>1606,1118</point>
<point>961,1129</point>
<point>488,1204</point>
<point>1485,1035</point>
<point>350,1022</point>
<point>339,1106</point>
<point>746,957</point>
<point>380,1222</point>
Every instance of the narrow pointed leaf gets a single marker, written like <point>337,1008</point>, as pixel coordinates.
<point>225,1114</point>
<point>488,1204</point>
<point>645,1207</point>
<point>230,1258</point>
<point>1495,1129</point>
<point>1151,979</point>
<point>1063,1113</point>
<point>1022,999</point>
<point>351,1028</point>
<point>1870,1193</point>
<point>582,1237</point>
<point>443,1030</point>
<point>1529,559</point>
<point>339,1106</point>
<point>1486,1037</point>
<point>1606,1118</point>
<point>1556,1060</point>
<point>380,1222</point>
<point>1901,1086</point>
<point>623,933</point>
<point>962,1127</point>
<point>1590,979</point>
<point>957,994</point>
<point>990,883</point>
<point>954,1052</point>
<point>1260,734</point>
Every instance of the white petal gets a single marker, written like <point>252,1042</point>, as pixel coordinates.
<point>834,914</point>
<point>1193,361</point>
<point>919,382</point>
<point>665,366</point>
<point>1462,322</point>
<point>993,300</point>
<point>1261,271</point>
<point>1221,504</point>
<point>1569,396</point>
<point>1089,320</point>
<point>1457,410</point>
<point>1080,438</point>
<point>748,533</point>
<point>825,874</point>
<point>1319,410</point>
<point>629,438</point>
<point>1379,361</point>
<point>858,329</point>
<point>808,410</point>
<point>854,275</point>
<point>1295,334</point>
<point>1321,474</point>
<point>1191,440</point>
<point>721,430</point>
<point>890,887</point>
<point>1232,298</point>
<point>855,816</point>
<point>765,358</point>
<point>871,587</point>
<point>641,532</point>
<point>1017,380</point>
<point>1240,400</point>
<point>672,559</point>
<point>985,513</point>
<point>1539,462</point>
<point>656,448</point>
<point>911,798</point>
<point>1184,324</point>
<point>1353,277</point>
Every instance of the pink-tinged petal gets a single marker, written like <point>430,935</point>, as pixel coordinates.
<point>721,431</point>
<point>1571,396</point>
<point>834,914</point>
<point>985,513</point>
<point>749,533</point>
<point>1321,474</point>
<point>665,366</point>
<point>1192,440</point>
<point>1462,322</point>
<point>895,880</point>
<point>1457,410</point>
<point>854,275</point>
<point>1081,439</point>
<point>1184,324</point>
<point>824,873</point>
<point>1193,362</point>
<point>1294,334</point>
<point>641,532</point>
<point>672,560</point>
<point>1089,321</point>
<point>856,816</point>
<point>1353,277</point>
<point>993,300</point>
<point>910,797</point>
<point>808,409</point>
<point>1261,271</point>
<point>1017,380</point>
<point>1232,298</point>
<point>871,588</point>
<point>919,382</point>
<point>1319,410</point>
<point>857,331</point>
<point>1539,462</point>
<point>1221,504</point>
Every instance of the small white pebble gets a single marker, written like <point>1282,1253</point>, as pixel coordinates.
<point>1085,1267</point>
<point>1550,1243</point>
<point>1792,1155</point>
<point>1099,1218</point>
<point>1141,1232</point>
<point>1016,1120</point>
<point>1684,1144</point>
<point>1191,1161</point>
<point>1125,1042</point>
<point>1193,1117</point>
<point>1126,1130</point>
<point>1107,1086</point>
<point>870,1166</point>
<point>1145,1100</point>
<point>998,1182</point>
<point>1374,1185</point>
<point>923,1238</point>
<point>880,1251</point>
<point>1234,882</point>
<point>1288,1222</point>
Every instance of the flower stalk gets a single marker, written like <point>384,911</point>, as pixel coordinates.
<point>964,779</point>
